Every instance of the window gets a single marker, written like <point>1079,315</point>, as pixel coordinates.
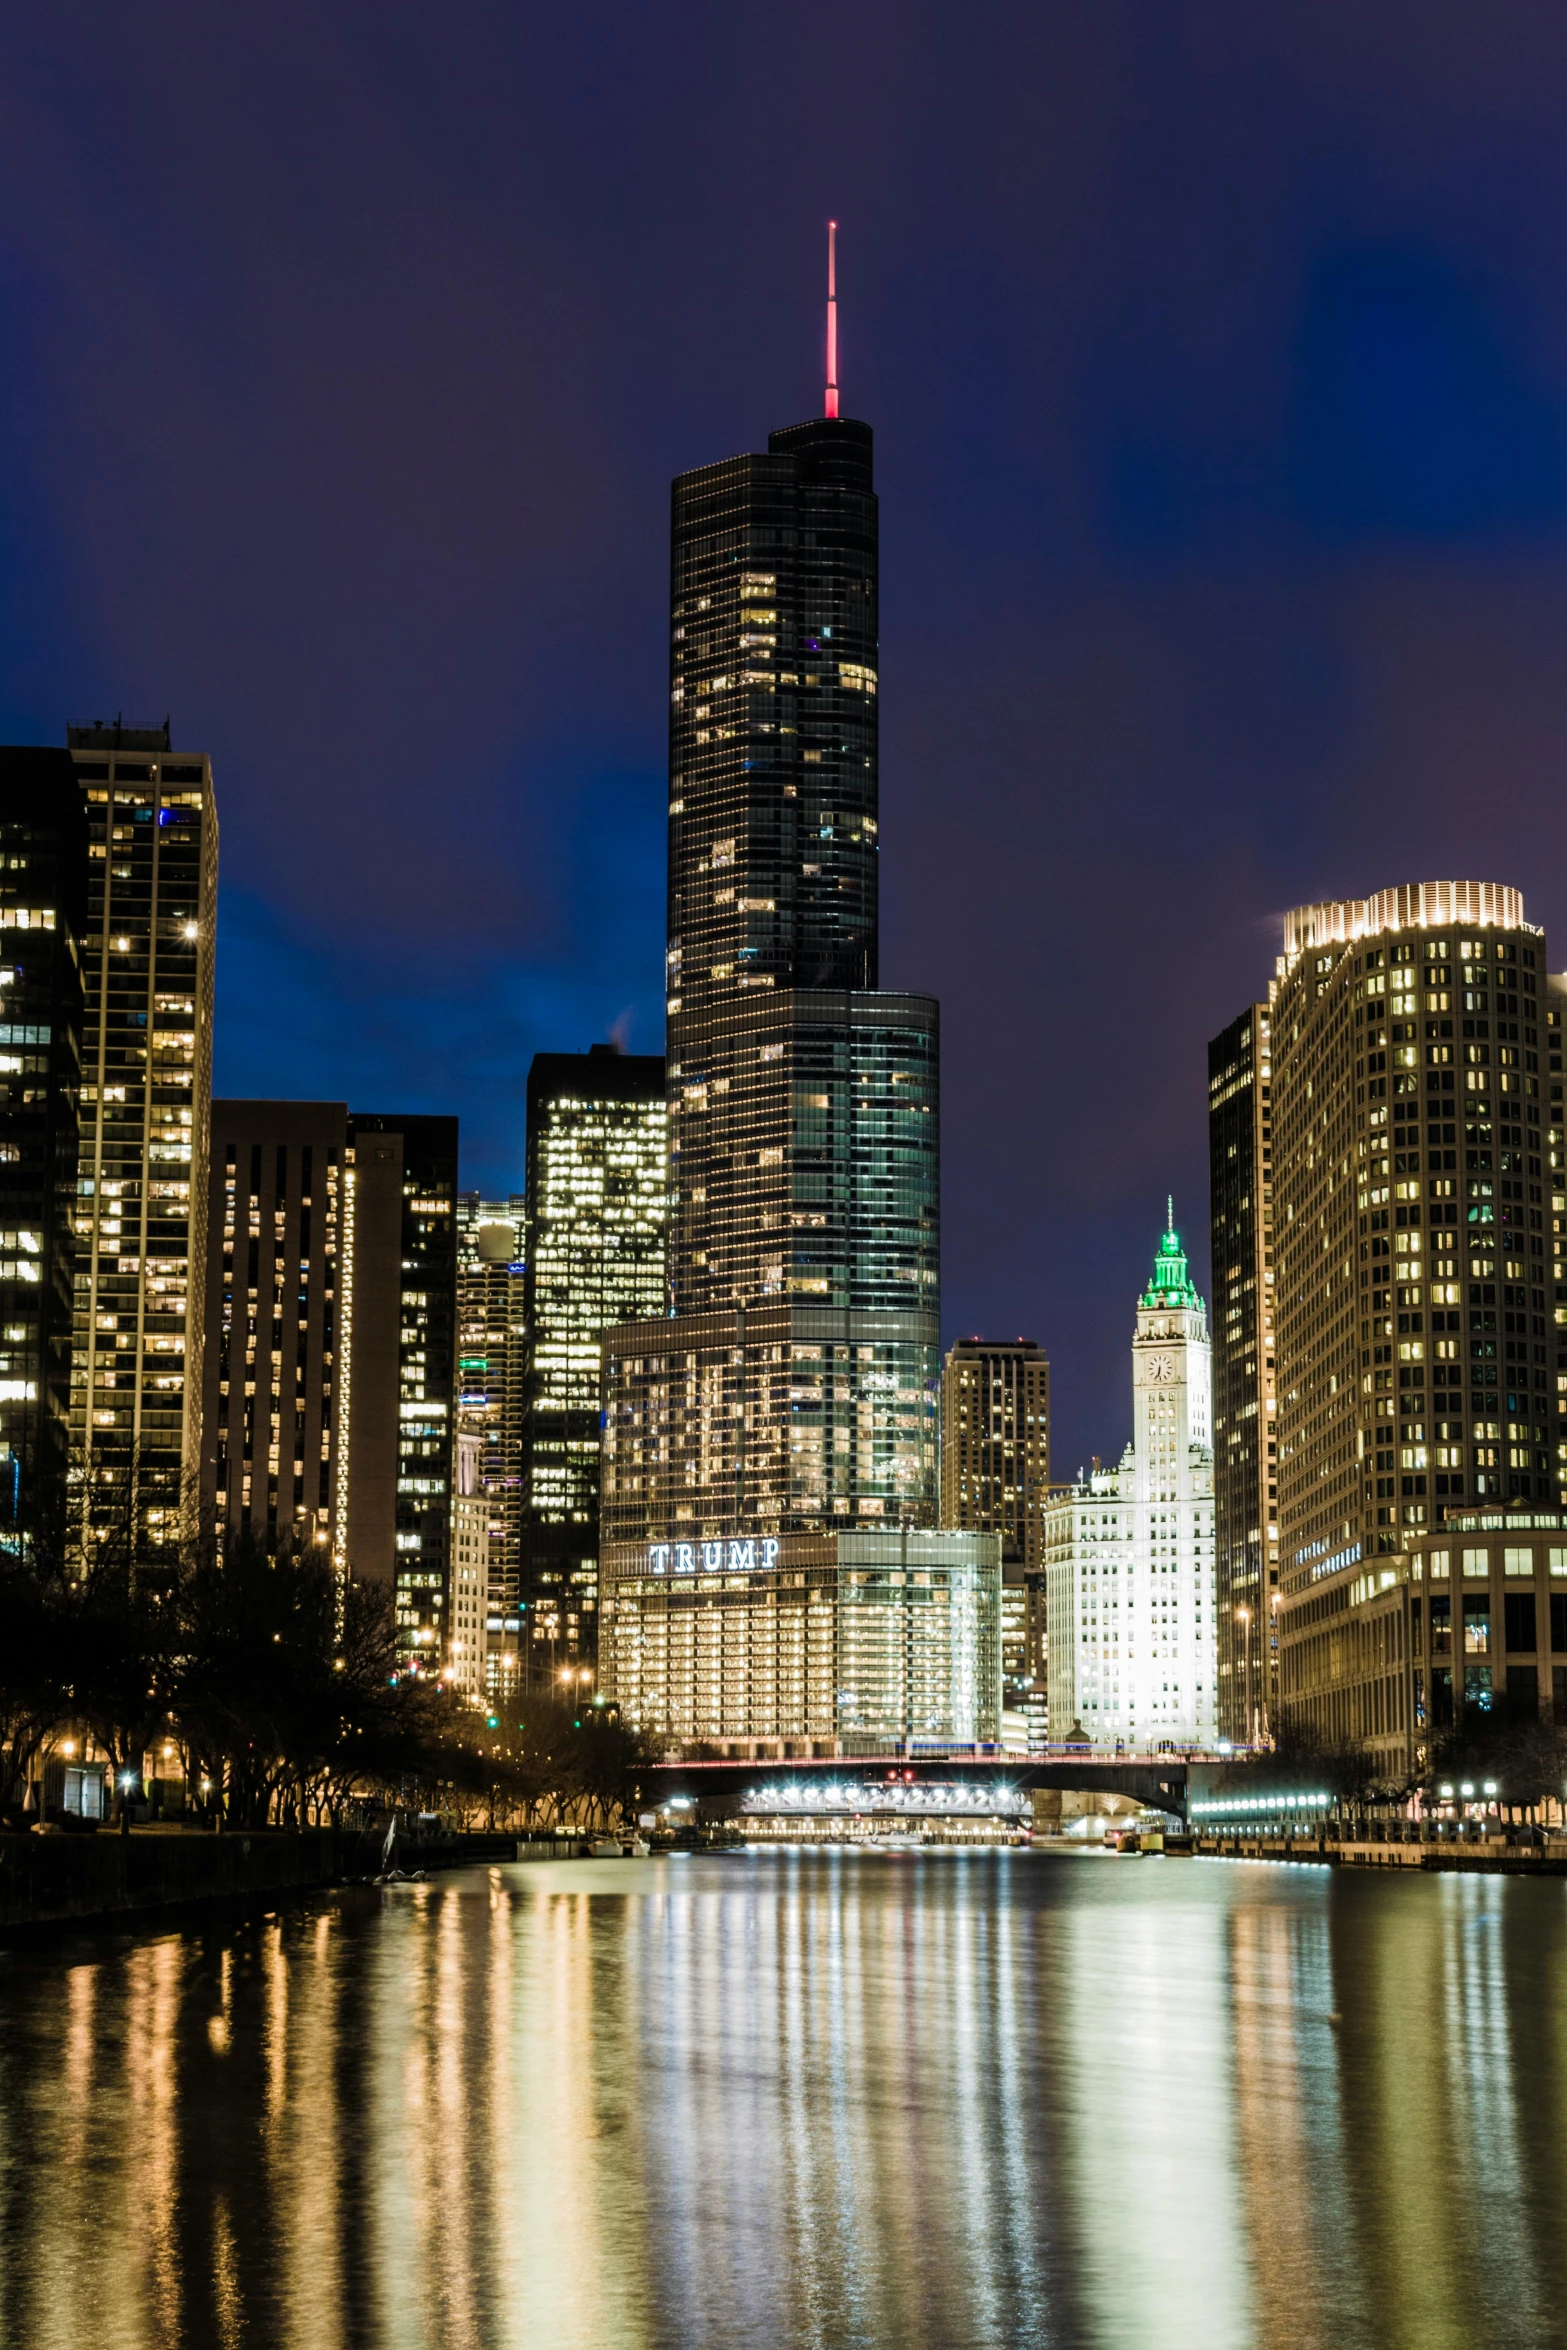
<point>1518,1562</point>
<point>1518,1614</point>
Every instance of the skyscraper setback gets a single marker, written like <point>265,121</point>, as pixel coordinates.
<point>802,1102</point>
<point>788,1404</point>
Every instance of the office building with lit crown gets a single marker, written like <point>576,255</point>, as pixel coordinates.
<point>1129,1551</point>
<point>1415,1167</point>
<point>790,1396</point>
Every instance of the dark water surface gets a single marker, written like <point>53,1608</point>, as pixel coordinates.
<point>793,2099</point>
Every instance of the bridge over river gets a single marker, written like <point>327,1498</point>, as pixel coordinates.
<point>1161,1781</point>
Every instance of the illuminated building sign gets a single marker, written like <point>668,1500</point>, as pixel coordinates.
<point>751,1555</point>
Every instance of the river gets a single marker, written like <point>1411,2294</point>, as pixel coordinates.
<point>801,2102</point>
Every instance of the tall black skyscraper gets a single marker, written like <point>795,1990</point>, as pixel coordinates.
<point>802,1102</point>
<point>770,1574</point>
<point>43,914</point>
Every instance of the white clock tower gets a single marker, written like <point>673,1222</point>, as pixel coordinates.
<point>1172,1381</point>
<point>1130,1580</point>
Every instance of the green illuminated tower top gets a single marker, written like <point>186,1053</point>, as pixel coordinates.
<point>1170,1288</point>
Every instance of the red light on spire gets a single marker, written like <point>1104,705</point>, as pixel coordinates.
<point>832,318</point>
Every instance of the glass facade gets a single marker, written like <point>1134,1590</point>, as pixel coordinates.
<point>141,1222</point>
<point>1245,1395</point>
<point>791,1388</point>
<point>597,1220</point>
<point>854,1643</point>
<point>798,1380</point>
<point>43,910</point>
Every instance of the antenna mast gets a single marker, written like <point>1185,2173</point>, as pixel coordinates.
<point>832,318</point>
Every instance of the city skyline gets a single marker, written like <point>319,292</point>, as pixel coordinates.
<point>1228,471</point>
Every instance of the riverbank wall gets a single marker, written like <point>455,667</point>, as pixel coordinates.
<point>86,1880</point>
<point>1481,1856</point>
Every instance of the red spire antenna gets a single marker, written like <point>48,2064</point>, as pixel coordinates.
<point>832,318</point>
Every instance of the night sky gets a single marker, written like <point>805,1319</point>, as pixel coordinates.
<point>1218,363</point>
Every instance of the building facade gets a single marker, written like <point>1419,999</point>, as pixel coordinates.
<point>402,1208</point>
<point>810,1644</point>
<point>1414,1260</point>
<point>330,1319</point>
<point>1556,1177</point>
<point>491,1375</point>
<point>141,1240</point>
<point>792,1388</point>
<point>43,920</point>
<point>1129,1567</point>
<point>1467,1619</point>
<point>597,1222</point>
<point>466,1648</point>
<point>995,1479</point>
<point>803,1103</point>
<point>1245,1391</point>
<point>272,1456</point>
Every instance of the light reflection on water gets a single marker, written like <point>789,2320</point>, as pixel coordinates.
<point>799,2099</point>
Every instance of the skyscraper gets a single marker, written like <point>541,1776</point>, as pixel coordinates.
<point>597,1222</point>
<point>1129,1551</point>
<point>43,914</point>
<point>1414,1261</point>
<point>1245,1395</point>
<point>272,1421</point>
<point>491,1374</point>
<point>792,1393</point>
<point>404,1264</point>
<point>141,1237</point>
<point>802,1102</point>
<point>330,1313</point>
<point>995,1479</point>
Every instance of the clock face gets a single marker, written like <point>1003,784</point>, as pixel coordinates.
<point>1161,1368</point>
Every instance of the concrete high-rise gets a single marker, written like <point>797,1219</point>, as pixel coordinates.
<point>141,1229</point>
<point>272,1416</point>
<point>1245,1391</point>
<point>789,1398</point>
<point>597,1224</point>
<point>1129,1551</point>
<point>330,1315</point>
<point>1414,1257</point>
<point>995,1479</point>
<point>43,917</point>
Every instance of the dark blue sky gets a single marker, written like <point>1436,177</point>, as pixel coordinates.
<point>1218,362</point>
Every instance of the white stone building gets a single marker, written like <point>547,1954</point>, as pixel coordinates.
<point>1129,1551</point>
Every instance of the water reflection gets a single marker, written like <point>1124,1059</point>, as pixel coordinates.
<point>794,2099</point>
